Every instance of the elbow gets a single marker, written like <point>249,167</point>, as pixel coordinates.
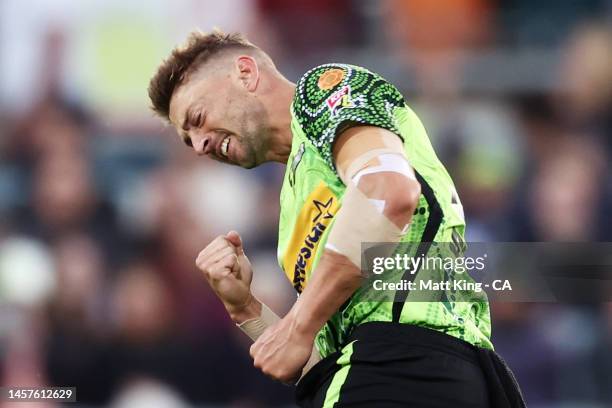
<point>402,205</point>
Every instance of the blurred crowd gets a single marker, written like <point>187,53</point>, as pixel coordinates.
<point>103,210</point>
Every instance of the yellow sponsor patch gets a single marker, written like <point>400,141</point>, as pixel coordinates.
<point>314,218</point>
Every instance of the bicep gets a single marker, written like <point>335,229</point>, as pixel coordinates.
<point>374,160</point>
<point>356,142</point>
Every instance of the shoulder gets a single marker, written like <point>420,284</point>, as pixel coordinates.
<point>330,82</point>
<point>330,98</point>
<point>330,93</point>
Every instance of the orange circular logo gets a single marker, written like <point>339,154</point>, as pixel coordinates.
<point>330,78</point>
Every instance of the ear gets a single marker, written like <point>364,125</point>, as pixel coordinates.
<point>248,72</point>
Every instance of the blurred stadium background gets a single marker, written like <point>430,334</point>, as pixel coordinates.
<point>103,210</point>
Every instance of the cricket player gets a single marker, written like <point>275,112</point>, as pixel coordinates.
<point>359,168</point>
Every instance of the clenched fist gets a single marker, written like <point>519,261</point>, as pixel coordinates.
<point>229,273</point>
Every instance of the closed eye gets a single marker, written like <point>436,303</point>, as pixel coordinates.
<point>199,120</point>
<point>187,140</point>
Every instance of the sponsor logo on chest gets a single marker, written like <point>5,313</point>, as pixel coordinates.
<point>314,218</point>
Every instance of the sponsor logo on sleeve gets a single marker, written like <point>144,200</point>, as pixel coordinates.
<point>339,100</point>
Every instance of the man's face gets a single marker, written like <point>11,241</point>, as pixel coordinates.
<point>217,115</point>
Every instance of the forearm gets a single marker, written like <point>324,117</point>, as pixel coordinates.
<point>250,310</point>
<point>337,275</point>
<point>256,318</point>
<point>334,281</point>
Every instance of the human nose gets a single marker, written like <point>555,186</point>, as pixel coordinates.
<point>201,144</point>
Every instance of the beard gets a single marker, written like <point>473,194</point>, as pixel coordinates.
<point>253,132</point>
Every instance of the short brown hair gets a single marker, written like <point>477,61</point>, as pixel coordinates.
<point>184,59</point>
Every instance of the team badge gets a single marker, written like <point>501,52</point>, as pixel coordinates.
<point>330,78</point>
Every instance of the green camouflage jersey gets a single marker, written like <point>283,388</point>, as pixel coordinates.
<point>329,99</point>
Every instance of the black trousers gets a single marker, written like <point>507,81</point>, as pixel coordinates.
<point>391,365</point>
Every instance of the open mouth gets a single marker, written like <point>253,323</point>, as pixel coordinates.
<point>225,146</point>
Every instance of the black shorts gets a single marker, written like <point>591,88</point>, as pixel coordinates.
<point>389,365</point>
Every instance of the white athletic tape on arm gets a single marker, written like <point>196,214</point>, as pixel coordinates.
<point>379,204</point>
<point>359,162</point>
<point>358,221</point>
<point>389,162</point>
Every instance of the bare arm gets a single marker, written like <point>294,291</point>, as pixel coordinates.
<point>336,277</point>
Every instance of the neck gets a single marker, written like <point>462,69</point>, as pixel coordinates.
<point>280,121</point>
